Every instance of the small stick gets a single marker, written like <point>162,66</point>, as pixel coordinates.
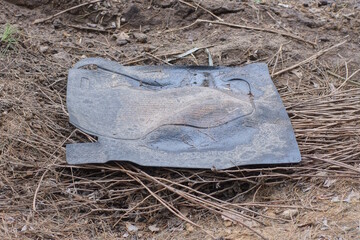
<point>88,28</point>
<point>171,208</point>
<point>337,163</point>
<point>41,20</point>
<point>316,55</point>
<point>159,59</point>
<point>198,5</point>
<point>278,53</point>
<point>244,27</point>
<point>37,190</point>
<point>347,79</point>
<point>257,29</point>
<point>340,77</point>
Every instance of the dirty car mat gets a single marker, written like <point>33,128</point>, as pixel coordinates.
<point>186,117</point>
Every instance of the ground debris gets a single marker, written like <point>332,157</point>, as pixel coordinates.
<point>154,228</point>
<point>140,37</point>
<point>290,213</point>
<point>131,228</point>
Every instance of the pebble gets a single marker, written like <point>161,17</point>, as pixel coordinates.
<point>154,228</point>
<point>140,37</point>
<point>131,228</point>
<point>57,23</point>
<point>189,227</point>
<point>43,49</point>
<point>121,42</point>
<point>290,213</point>
<point>228,223</point>
<point>121,38</point>
<point>62,56</point>
<point>322,3</point>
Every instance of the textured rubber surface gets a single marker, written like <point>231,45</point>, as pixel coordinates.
<point>188,117</point>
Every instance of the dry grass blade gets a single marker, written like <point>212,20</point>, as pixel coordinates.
<point>316,55</point>
<point>198,201</point>
<point>245,27</point>
<point>198,5</point>
<point>169,206</point>
<point>41,20</point>
<point>89,190</point>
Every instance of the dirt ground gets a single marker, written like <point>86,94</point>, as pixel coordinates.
<point>42,198</point>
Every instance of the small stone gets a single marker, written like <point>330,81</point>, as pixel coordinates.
<point>290,213</point>
<point>92,25</point>
<point>131,228</point>
<point>57,23</point>
<point>322,3</point>
<point>154,228</point>
<point>189,227</point>
<point>24,228</point>
<point>121,38</point>
<point>146,29</point>
<point>228,223</point>
<point>62,56</point>
<point>121,42</point>
<point>284,5</point>
<point>43,49</point>
<point>149,48</point>
<point>27,43</point>
<point>329,182</point>
<point>140,37</point>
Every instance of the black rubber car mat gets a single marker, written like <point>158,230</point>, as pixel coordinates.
<point>188,117</point>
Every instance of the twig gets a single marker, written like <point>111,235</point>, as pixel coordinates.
<point>41,20</point>
<point>277,54</point>
<point>245,27</point>
<point>347,79</point>
<point>316,55</point>
<point>88,28</point>
<point>206,203</point>
<point>188,52</point>
<point>340,164</point>
<point>159,59</point>
<point>258,29</point>
<point>198,5</point>
<point>37,190</point>
<point>167,205</point>
<point>340,77</point>
<point>211,63</point>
